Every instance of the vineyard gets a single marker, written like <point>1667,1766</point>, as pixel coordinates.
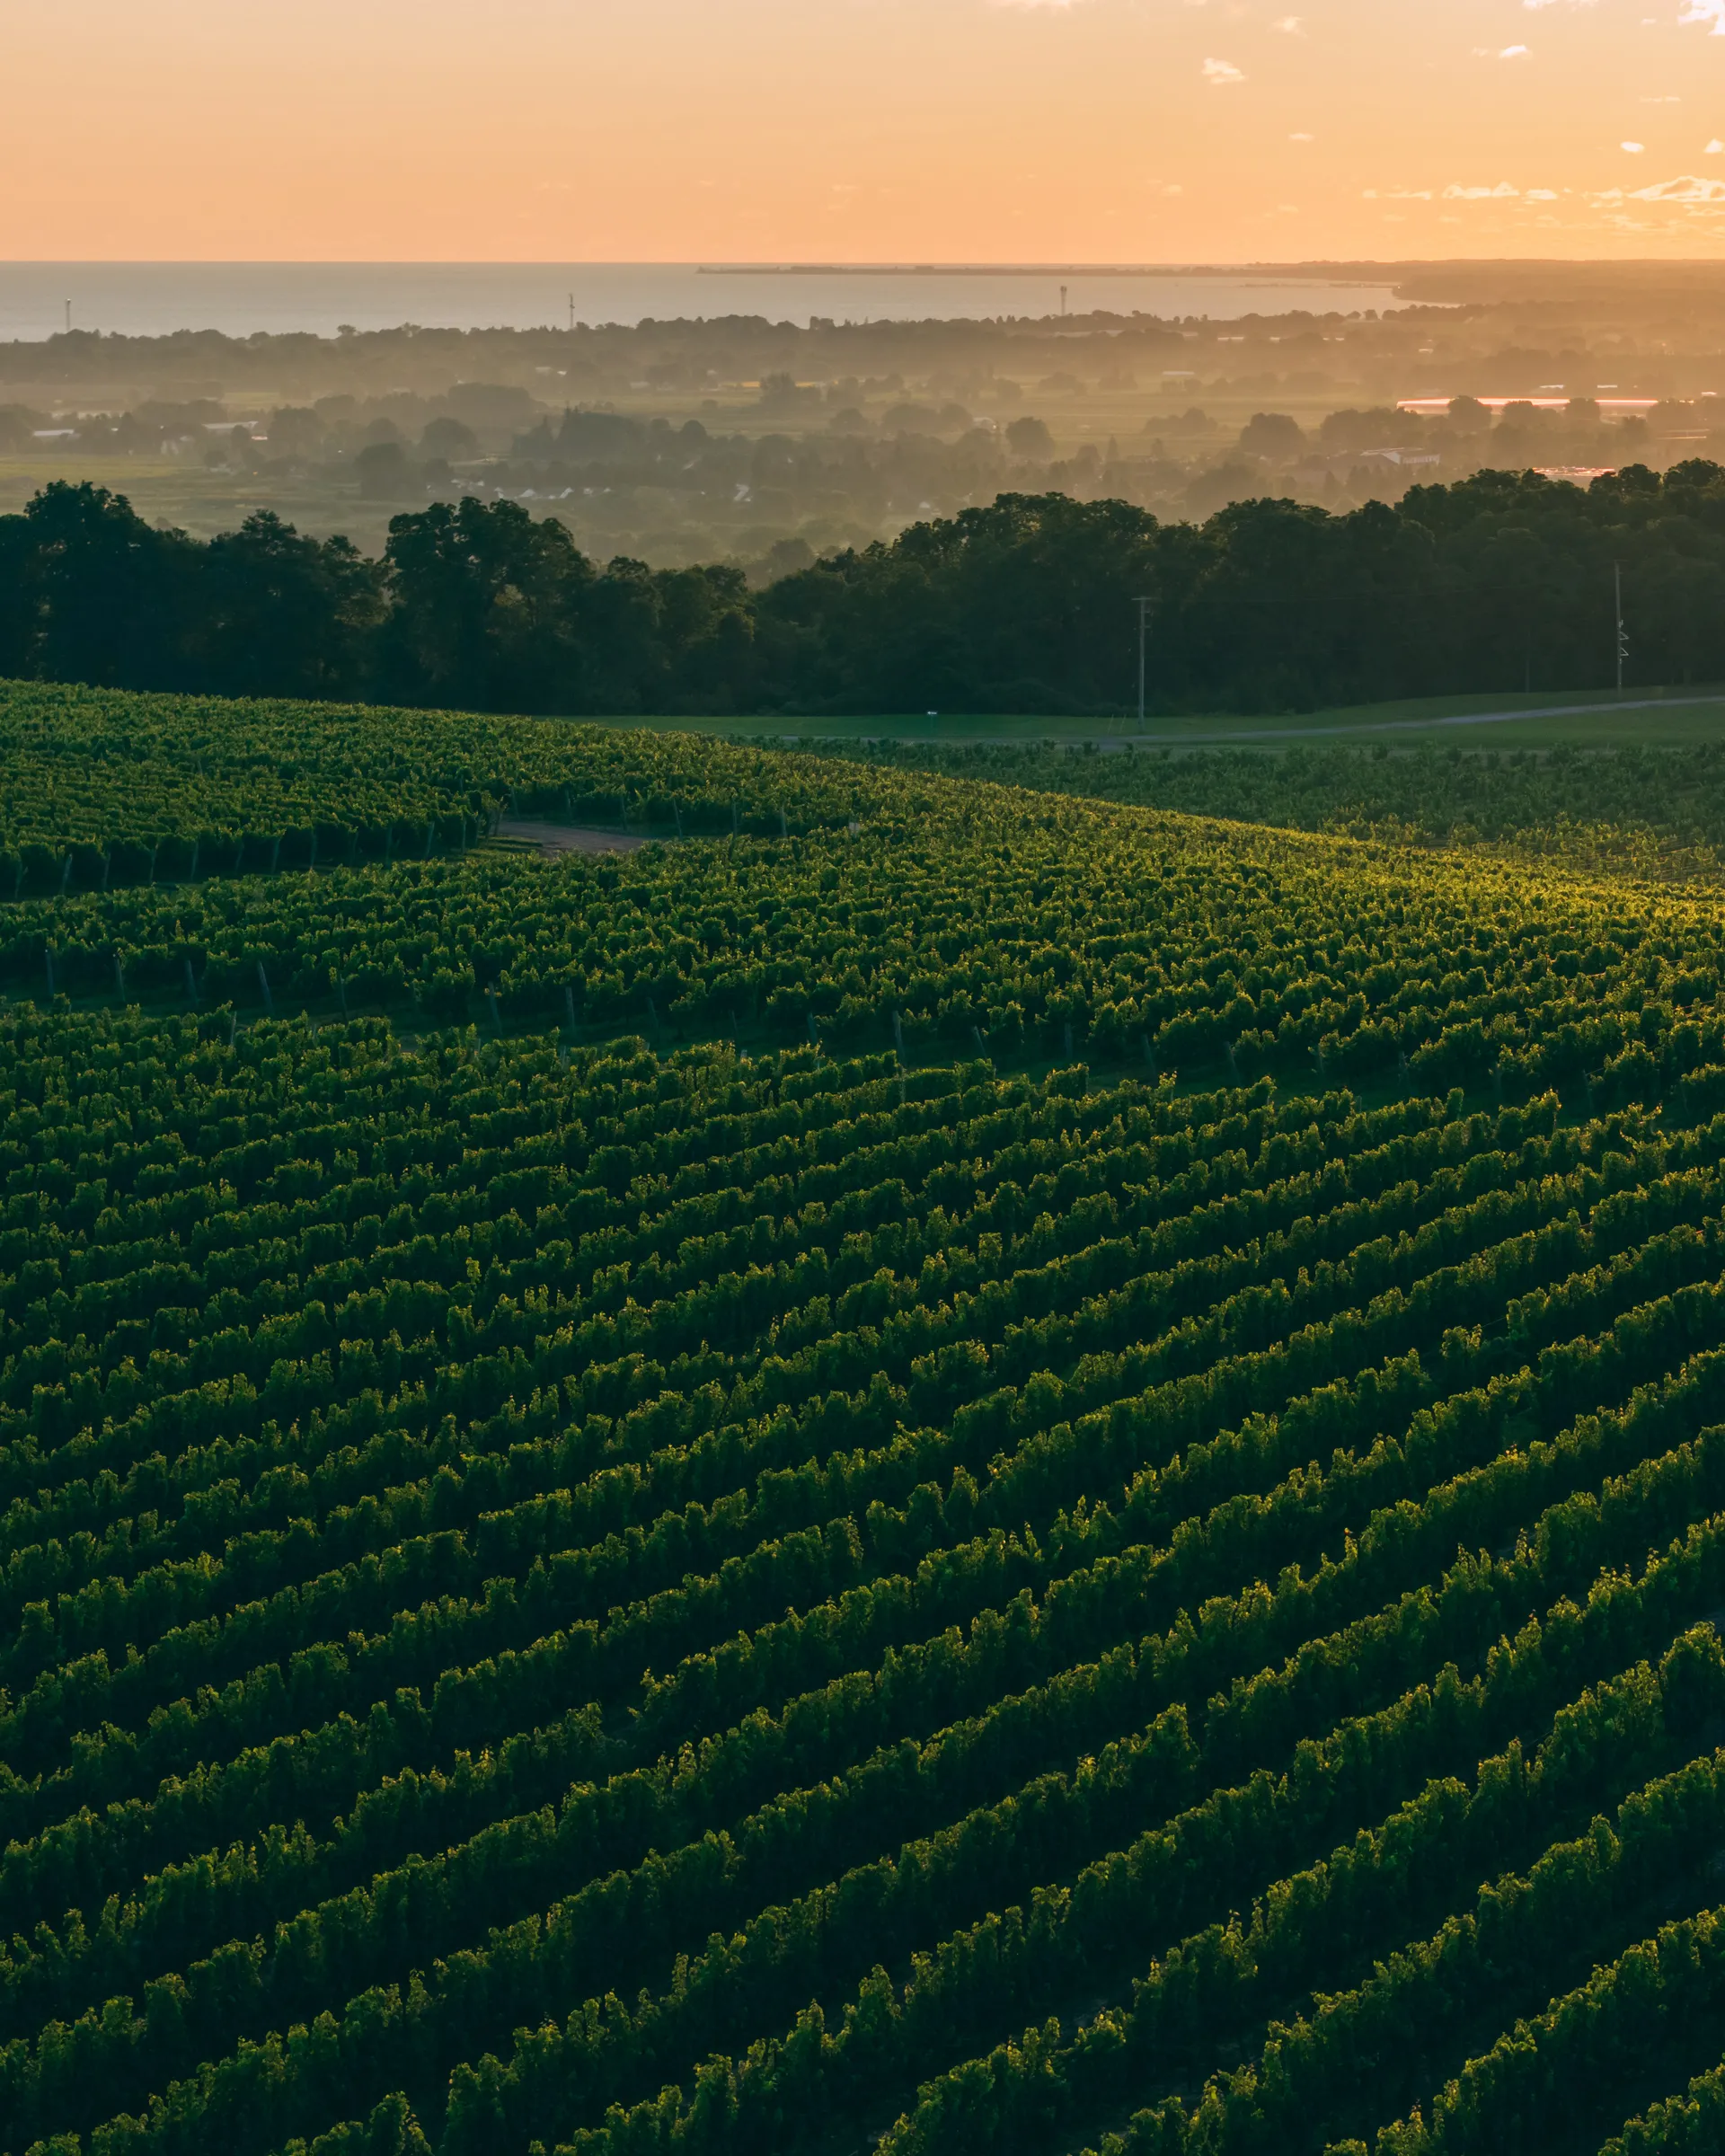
<point>937,1468</point>
<point>1660,812</point>
<point>105,789</point>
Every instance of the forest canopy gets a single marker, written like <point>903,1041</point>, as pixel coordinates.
<point>1503,580</point>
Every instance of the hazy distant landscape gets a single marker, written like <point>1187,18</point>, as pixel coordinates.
<point>753,441</point>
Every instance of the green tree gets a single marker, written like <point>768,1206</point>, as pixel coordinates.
<point>280,614</point>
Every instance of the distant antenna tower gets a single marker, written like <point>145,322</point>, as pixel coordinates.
<point>68,317</point>
<point>1623,629</point>
<point>1063,299</point>
<point>571,309</point>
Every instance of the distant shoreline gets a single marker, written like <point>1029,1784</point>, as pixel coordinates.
<point>1260,276</point>
<point>239,300</point>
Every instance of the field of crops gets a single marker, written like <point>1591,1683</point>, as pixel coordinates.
<point>1653,811</point>
<point>951,1469</point>
<point>105,789</point>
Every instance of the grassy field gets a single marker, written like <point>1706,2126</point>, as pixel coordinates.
<point>1596,719</point>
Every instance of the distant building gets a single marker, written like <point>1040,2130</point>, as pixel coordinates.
<point>1404,460</point>
<point>1345,462</point>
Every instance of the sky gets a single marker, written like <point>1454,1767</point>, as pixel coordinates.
<point>861,131</point>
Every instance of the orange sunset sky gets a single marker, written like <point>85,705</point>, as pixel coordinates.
<point>861,131</point>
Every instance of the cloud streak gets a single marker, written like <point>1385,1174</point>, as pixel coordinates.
<point>1688,189</point>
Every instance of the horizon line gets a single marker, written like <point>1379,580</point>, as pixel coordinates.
<point>1311,266</point>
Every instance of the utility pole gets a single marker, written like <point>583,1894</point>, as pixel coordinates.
<point>1623,633</point>
<point>68,317</point>
<point>1143,606</point>
<point>1063,299</point>
<point>572,311</point>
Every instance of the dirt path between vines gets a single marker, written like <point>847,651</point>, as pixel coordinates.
<point>564,838</point>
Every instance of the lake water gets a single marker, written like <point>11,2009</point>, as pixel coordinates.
<point>151,299</point>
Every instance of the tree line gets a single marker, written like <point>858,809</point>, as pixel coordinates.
<point>1502,581</point>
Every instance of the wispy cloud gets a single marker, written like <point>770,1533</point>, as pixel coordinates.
<point>1291,26</point>
<point>1501,192</point>
<point>1634,148</point>
<point>1688,189</point>
<point>1221,75</point>
<point>1706,11</point>
<point>1516,52</point>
